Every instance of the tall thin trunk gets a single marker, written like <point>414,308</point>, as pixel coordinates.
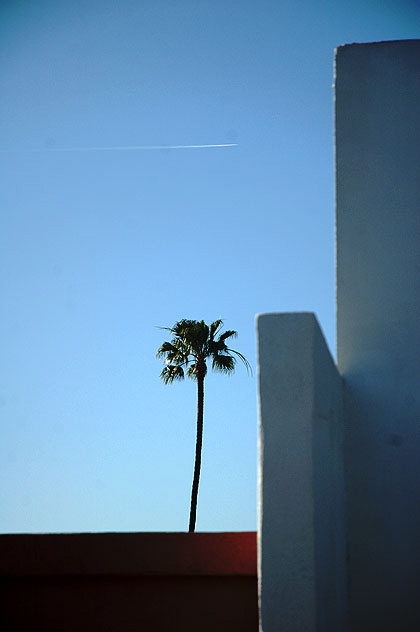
<point>198,448</point>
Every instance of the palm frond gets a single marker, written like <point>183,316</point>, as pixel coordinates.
<point>223,363</point>
<point>182,327</point>
<point>166,347</point>
<point>214,328</point>
<point>198,335</point>
<point>229,333</point>
<point>193,341</point>
<point>171,373</point>
<point>244,360</point>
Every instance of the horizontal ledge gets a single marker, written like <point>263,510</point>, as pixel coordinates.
<point>55,554</point>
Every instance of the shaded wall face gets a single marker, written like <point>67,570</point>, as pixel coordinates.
<point>128,582</point>
<point>129,604</point>
<point>378,345</point>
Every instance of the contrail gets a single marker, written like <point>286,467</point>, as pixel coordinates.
<point>137,147</point>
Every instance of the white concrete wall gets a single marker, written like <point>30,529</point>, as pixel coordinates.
<point>302,582</point>
<point>378,294</point>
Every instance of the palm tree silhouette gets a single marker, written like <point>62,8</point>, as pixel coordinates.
<point>192,344</point>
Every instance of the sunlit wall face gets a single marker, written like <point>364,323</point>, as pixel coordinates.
<point>378,272</point>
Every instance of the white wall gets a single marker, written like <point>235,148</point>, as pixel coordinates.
<point>302,582</point>
<point>378,345</point>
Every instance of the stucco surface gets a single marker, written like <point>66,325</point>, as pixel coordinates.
<point>378,308</point>
<point>25,555</point>
<point>129,582</point>
<point>302,582</point>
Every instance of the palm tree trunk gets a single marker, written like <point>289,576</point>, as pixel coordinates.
<point>198,448</point>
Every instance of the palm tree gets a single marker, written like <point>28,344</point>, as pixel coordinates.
<point>192,344</point>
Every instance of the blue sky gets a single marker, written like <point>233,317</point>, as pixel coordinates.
<point>98,248</point>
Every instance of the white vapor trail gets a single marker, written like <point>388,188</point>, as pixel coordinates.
<point>137,147</point>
